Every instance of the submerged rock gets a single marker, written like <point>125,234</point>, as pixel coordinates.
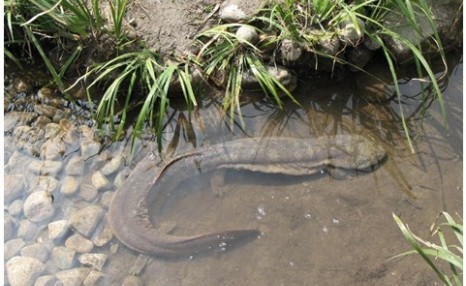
<point>38,206</point>
<point>63,258</point>
<point>46,167</point>
<point>23,271</point>
<point>36,250</point>
<point>94,260</point>
<point>79,243</point>
<point>58,229</point>
<point>73,277</point>
<point>85,220</point>
<point>14,186</point>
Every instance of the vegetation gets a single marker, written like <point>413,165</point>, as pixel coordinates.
<point>432,253</point>
<point>76,26</point>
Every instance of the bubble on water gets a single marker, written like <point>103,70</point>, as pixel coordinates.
<point>336,221</point>
<point>261,210</point>
<point>291,263</point>
<point>307,215</point>
<point>325,229</point>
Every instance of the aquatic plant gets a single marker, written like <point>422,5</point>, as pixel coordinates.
<point>450,253</point>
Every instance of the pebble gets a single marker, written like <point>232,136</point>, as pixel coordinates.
<point>113,165</point>
<point>46,280</point>
<point>45,110</point>
<point>94,260</point>
<point>100,181</point>
<point>38,206</point>
<point>23,270</point>
<point>106,198</point>
<point>231,13</point>
<point>350,34</point>
<point>53,149</point>
<point>96,278</point>
<point>8,228</point>
<point>37,251</point>
<point>12,247</point>
<point>73,277</point>
<point>79,243</point>
<point>58,229</point>
<point>290,50</point>
<point>41,121</point>
<point>358,57</point>
<point>14,186</point>
<point>120,179</point>
<point>27,230</point>
<point>132,281</point>
<point>69,186</point>
<point>15,209</point>
<point>63,258</point>
<point>45,183</point>
<point>85,220</point>
<point>46,167</point>
<point>75,166</point>
<point>247,33</point>
<point>88,192</point>
<point>89,149</point>
<point>52,130</point>
<point>329,46</point>
<point>104,235</point>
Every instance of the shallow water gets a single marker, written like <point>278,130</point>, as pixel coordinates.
<point>314,230</point>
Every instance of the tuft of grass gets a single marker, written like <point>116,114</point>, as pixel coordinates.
<point>228,60</point>
<point>451,254</point>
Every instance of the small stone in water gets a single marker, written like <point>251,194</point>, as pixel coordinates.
<point>89,149</point>
<point>231,13</point>
<point>75,276</point>
<point>133,281</point>
<point>27,230</point>
<point>36,250</point>
<point>69,186</point>
<point>100,181</point>
<point>23,270</point>
<point>46,280</point>
<point>95,260</point>
<point>75,166</point>
<point>63,257</point>
<point>14,186</point>
<point>58,229</point>
<point>85,220</point>
<point>79,243</point>
<point>96,278</point>
<point>45,183</point>
<point>113,165</point>
<point>46,167</point>
<point>103,235</point>
<point>16,208</point>
<point>12,247</point>
<point>8,228</point>
<point>88,192</point>
<point>38,206</point>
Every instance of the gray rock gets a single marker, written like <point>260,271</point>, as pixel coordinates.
<point>350,33</point>
<point>103,235</point>
<point>63,258</point>
<point>113,165</point>
<point>8,228</point>
<point>89,149</point>
<point>58,229</point>
<point>53,149</point>
<point>15,209</point>
<point>120,179</point>
<point>85,220</point>
<point>290,51</point>
<point>106,198</point>
<point>132,281</point>
<point>12,247</point>
<point>14,186</point>
<point>371,44</point>
<point>95,260</point>
<point>358,57</point>
<point>73,277</point>
<point>46,167</point>
<point>247,33</point>
<point>69,186</point>
<point>231,13</point>
<point>75,166</point>
<point>45,183</point>
<point>37,251</point>
<point>88,192</point>
<point>100,181</point>
<point>27,230</point>
<point>329,45</point>
<point>79,243</point>
<point>23,271</point>
<point>96,278</point>
<point>46,280</point>
<point>38,206</point>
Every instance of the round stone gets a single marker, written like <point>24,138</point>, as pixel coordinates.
<point>45,183</point>
<point>85,220</point>
<point>23,270</point>
<point>89,149</point>
<point>75,166</point>
<point>53,149</point>
<point>94,260</point>
<point>104,235</point>
<point>79,243</point>
<point>14,186</point>
<point>290,50</point>
<point>100,181</point>
<point>46,280</point>
<point>58,229</point>
<point>88,192</point>
<point>113,165</point>
<point>36,250</point>
<point>350,33</point>
<point>8,228</point>
<point>120,179</point>
<point>69,186</point>
<point>231,13</point>
<point>38,206</point>
<point>75,276</point>
<point>247,33</point>
<point>12,247</point>
<point>16,208</point>
<point>96,278</point>
<point>46,167</point>
<point>63,258</point>
<point>27,230</point>
<point>106,198</point>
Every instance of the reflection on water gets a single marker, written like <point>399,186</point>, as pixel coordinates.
<point>314,230</point>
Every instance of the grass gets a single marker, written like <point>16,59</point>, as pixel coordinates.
<point>449,253</point>
<point>225,59</point>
